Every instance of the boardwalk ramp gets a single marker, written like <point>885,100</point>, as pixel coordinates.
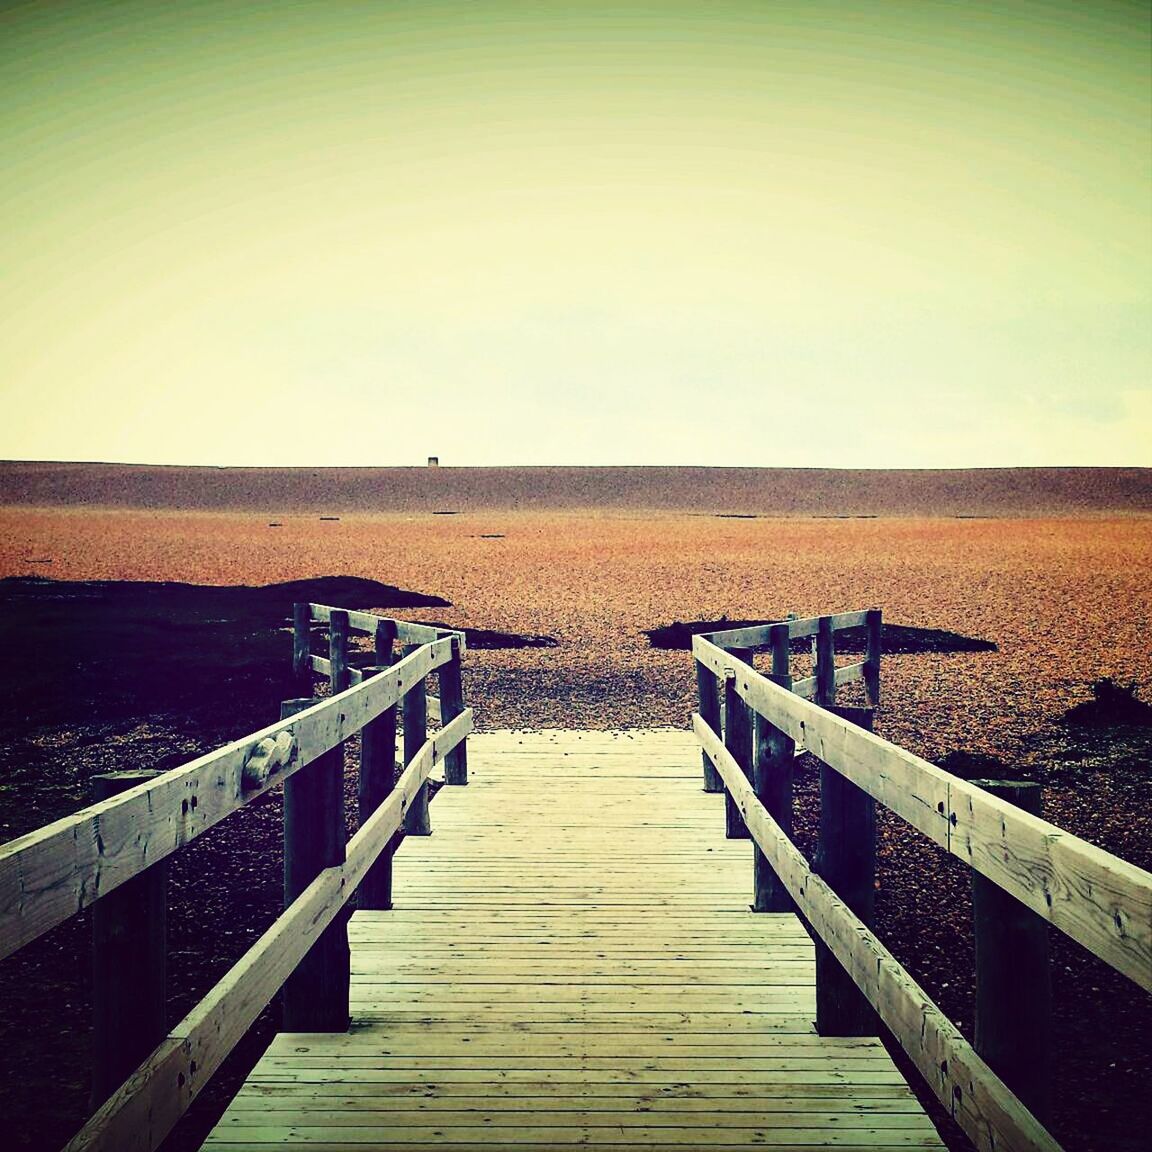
<point>570,961</point>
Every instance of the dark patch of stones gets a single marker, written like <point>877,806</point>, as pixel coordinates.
<point>895,638</point>
<point>488,639</point>
<point>1112,704</point>
<point>103,650</point>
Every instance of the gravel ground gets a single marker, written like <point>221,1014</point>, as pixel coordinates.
<point>1065,601</point>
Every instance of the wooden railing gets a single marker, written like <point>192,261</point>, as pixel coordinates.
<point>112,853</point>
<point>1099,900</point>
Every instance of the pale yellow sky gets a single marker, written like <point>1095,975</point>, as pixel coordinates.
<point>861,234</point>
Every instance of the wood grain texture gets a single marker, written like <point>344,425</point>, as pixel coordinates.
<point>991,1116</point>
<point>60,869</point>
<point>369,623</point>
<point>761,634</point>
<point>141,1113</point>
<point>576,965</point>
<point>1098,899</point>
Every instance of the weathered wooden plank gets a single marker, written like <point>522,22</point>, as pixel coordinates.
<point>874,630</point>
<point>758,636</point>
<point>406,631</point>
<point>1099,900</point>
<point>316,993</point>
<point>60,869</point>
<point>977,1099</point>
<point>850,673</point>
<point>1013,1027</point>
<point>146,1107</point>
<point>708,694</point>
<point>452,691</point>
<point>825,663</point>
<point>414,710</point>
<point>738,741</point>
<point>129,963</point>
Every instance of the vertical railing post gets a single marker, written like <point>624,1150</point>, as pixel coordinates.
<point>874,630</point>
<point>825,663</point>
<point>738,741</point>
<point>846,859</point>
<point>708,690</point>
<point>302,648</point>
<point>129,956</point>
<point>1013,980</point>
<point>338,650</point>
<point>451,705</point>
<point>315,996</point>
<point>378,778</point>
<point>417,820</point>
<point>779,638</point>
<point>772,777</point>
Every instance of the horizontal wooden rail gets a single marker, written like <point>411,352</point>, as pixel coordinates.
<point>847,674</point>
<point>1098,899</point>
<point>760,634</point>
<point>141,1113</point>
<point>58,870</point>
<point>405,631</point>
<point>974,1095</point>
<point>356,675</point>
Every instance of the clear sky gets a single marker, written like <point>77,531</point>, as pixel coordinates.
<point>889,233</point>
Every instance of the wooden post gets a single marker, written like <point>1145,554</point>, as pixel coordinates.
<point>338,650</point>
<point>129,929</point>
<point>738,741</point>
<point>451,705</point>
<point>302,648</point>
<point>825,663</point>
<point>781,643</point>
<point>846,859</point>
<point>417,821</point>
<point>708,689</point>
<point>772,773</point>
<point>377,780</point>
<point>383,642</point>
<point>873,626</point>
<point>315,995</point>
<point>1013,979</point>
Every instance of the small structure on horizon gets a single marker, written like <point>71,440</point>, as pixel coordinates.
<point>433,461</point>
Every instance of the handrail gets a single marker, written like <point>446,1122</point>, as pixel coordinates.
<point>404,631</point>
<point>54,872</point>
<point>1098,899</point>
<point>760,634</point>
<point>141,1113</point>
<point>976,1097</point>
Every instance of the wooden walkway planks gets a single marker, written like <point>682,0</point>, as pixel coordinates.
<point>571,962</point>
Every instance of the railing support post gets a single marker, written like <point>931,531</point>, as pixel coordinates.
<point>338,650</point>
<point>846,859</point>
<point>129,931</point>
<point>825,663</point>
<point>873,628</point>
<point>738,741</point>
<point>772,777</point>
<point>302,648</point>
<point>315,996</point>
<point>451,705</point>
<point>377,780</point>
<point>417,821</point>
<point>708,690</point>
<point>1013,978</point>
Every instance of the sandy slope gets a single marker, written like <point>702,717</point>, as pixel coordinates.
<point>763,491</point>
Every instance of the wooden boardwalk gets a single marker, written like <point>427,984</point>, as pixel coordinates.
<point>571,961</point>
